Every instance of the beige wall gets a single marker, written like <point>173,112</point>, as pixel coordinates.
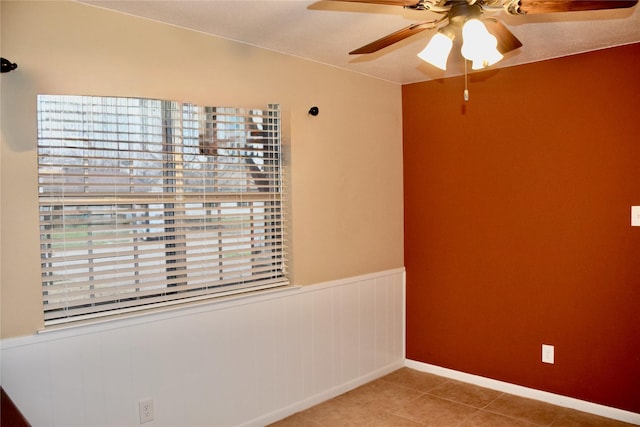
<point>345,164</point>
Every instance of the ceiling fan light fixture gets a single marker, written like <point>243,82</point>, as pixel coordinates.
<point>437,50</point>
<point>479,46</point>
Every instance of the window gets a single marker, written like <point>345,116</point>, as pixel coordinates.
<point>148,202</point>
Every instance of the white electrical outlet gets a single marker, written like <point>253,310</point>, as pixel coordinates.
<point>635,216</point>
<point>547,354</point>
<point>146,410</point>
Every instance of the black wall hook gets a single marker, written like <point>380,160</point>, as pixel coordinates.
<point>314,111</point>
<point>7,65</point>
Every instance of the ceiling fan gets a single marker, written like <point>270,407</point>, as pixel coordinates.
<point>485,39</point>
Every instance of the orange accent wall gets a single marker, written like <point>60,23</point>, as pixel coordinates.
<point>517,224</point>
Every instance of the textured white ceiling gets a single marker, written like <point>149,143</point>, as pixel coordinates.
<point>325,31</point>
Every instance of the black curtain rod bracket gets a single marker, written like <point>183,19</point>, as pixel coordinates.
<point>7,65</point>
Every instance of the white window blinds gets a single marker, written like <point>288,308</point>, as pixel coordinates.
<point>148,202</point>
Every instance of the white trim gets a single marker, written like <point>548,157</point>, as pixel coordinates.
<point>153,315</point>
<point>544,396</point>
<point>165,313</point>
<point>350,280</point>
<point>404,314</point>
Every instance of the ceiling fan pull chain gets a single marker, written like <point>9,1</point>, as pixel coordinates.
<point>466,90</point>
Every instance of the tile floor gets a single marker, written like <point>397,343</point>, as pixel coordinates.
<point>408,397</point>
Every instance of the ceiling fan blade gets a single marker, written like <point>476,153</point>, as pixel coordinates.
<point>392,38</point>
<point>389,2</point>
<point>550,6</point>
<point>506,40</point>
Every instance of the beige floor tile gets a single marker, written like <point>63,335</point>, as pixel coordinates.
<point>386,395</point>
<point>434,411</point>
<point>408,398</point>
<point>334,410</point>
<point>533,411</point>
<point>295,420</point>
<point>413,379</point>
<point>341,412</point>
<point>469,394</point>
<point>571,418</point>
<point>385,419</point>
<point>488,419</point>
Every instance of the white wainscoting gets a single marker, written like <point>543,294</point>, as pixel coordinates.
<point>247,361</point>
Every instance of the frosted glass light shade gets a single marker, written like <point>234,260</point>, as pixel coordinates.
<point>479,46</point>
<point>487,60</point>
<point>437,51</point>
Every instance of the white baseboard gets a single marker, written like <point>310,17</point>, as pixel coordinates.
<point>554,399</point>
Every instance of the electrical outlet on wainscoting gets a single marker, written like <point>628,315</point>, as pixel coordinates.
<point>145,408</point>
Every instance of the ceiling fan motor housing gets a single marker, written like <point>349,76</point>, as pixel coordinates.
<point>461,11</point>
